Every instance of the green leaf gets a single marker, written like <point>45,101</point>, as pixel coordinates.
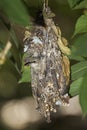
<point>79,47</point>
<point>9,77</point>
<point>75,86</point>
<point>9,66</point>
<point>78,70</point>
<point>77,4</point>
<point>76,57</point>
<point>4,33</point>
<point>81,25</point>
<point>8,83</point>
<point>83,96</point>
<point>15,51</point>
<point>81,5</point>
<point>16,55</point>
<point>34,3</point>
<point>16,11</point>
<point>26,75</point>
<point>73,3</point>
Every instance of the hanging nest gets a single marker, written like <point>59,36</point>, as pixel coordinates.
<point>46,52</point>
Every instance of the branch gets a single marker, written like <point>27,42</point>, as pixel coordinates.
<point>4,53</point>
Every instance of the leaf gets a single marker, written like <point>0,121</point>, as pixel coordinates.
<point>75,86</point>
<point>16,55</point>
<point>83,96</point>
<point>26,76</point>
<point>76,57</point>
<point>81,5</point>
<point>81,25</point>
<point>8,65</point>
<point>77,4</point>
<point>4,33</point>
<point>16,11</point>
<point>73,3</point>
<point>15,51</point>
<point>34,3</point>
<point>8,83</point>
<point>9,77</point>
<point>79,47</point>
<point>78,70</point>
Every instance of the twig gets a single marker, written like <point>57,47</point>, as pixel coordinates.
<point>46,3</point>
<point>4,52</point>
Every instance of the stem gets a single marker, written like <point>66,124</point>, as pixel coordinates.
<point>4,53</point>
<point>45,3</point>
